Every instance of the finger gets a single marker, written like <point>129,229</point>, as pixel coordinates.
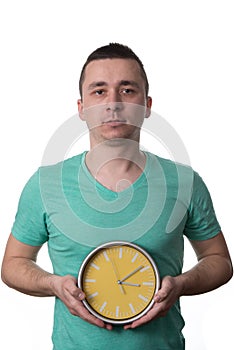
<point>77,308</point>
<point>153,313</point>
<point>76,293</point>
<point>71,288</point>
<point>165,290</point>
<point>87,316</point>
<point>80,311</point>
<point>159,297</point>
<point>109,327</point>
<point>73,301</point>
<point>72,298</point>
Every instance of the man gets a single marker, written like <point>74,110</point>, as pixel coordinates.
<point>70,204</point>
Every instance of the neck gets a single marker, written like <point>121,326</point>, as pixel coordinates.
<point>117,160</point>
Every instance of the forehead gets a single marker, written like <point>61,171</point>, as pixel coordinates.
<point>112,70</point>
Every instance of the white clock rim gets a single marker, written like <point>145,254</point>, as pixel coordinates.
<point>109,245</point>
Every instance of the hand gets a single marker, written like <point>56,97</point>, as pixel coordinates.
<point>65,288</point>
<point>169,292</point>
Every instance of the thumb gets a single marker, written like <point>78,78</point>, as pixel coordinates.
<point>164,291</point>
<point>74,290</point>
<point>81,294</point>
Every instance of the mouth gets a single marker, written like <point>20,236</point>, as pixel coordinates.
<point>115,122</point>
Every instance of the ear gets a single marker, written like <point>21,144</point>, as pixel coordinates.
<point>80,109</point>
<point>148,106</point>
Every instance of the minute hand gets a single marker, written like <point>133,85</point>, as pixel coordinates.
<point>131,273</point>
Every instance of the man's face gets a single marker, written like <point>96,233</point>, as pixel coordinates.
<point>114,102</point>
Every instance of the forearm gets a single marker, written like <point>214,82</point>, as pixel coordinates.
<point>209,273</point>
<point>27,277</point>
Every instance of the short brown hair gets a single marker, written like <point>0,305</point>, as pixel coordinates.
<point>113,50</point>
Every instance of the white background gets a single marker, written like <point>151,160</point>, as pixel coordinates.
<point>187,49</point>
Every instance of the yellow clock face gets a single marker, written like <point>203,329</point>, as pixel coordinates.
<point>119,280</point>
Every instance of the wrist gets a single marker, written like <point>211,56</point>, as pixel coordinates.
<point>181,284</point>
<point>53,283</point>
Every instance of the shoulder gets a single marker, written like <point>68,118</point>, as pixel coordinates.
<point>173,171</point>
<point>171,165</point>
<point>48,176</point>
<point>69,162</point>
<point>55,171</point>
<point>181,178</point>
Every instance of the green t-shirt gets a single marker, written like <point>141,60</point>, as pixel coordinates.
<point>63,205</point>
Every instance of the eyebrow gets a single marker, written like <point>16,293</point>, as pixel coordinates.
<point>129,82</point>
<point>96,84</point>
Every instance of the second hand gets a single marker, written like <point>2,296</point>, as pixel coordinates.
<point>117,276</point>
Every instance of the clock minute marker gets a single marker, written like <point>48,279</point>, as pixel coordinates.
<point>103,306</point>
<point>95,266</point>
<point>134,258</point>
<point>106,256</point>
<point>117,311</point>
<point>143,298</point>
<point>132,308</point>
<point>145,268</point>
<point>147,283</point>
<point>92,295</point>
<point>90,280</point>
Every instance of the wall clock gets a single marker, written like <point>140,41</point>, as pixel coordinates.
<point>119,280</point>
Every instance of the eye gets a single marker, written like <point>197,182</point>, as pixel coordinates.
<point>127,91</point>
<point>99,92</point>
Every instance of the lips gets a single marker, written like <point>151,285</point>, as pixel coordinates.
<point>114,122</point>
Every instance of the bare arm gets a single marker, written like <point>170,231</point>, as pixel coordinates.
<point>214,268</point>
<point>20,271</point>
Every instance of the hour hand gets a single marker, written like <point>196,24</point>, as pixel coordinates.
<point>129,284</point>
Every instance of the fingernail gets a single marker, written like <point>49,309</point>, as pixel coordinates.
<point>81,296</point>
<point>157,299</point>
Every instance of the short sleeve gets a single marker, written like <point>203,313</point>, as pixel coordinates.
<point>30,221</point>
<point>201,222</point>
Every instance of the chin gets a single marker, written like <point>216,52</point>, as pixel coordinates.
<point>121,132</point>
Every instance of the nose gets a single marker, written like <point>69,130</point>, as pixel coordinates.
<point>114,106</point>
<point>114,102</point>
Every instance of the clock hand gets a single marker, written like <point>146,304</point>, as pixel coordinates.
<point>131,273</point>
<point>117,276</point>
<point>130,284</point>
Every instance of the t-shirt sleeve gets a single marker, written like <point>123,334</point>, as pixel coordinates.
<point>30,222</point>
<point>201,222</point>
